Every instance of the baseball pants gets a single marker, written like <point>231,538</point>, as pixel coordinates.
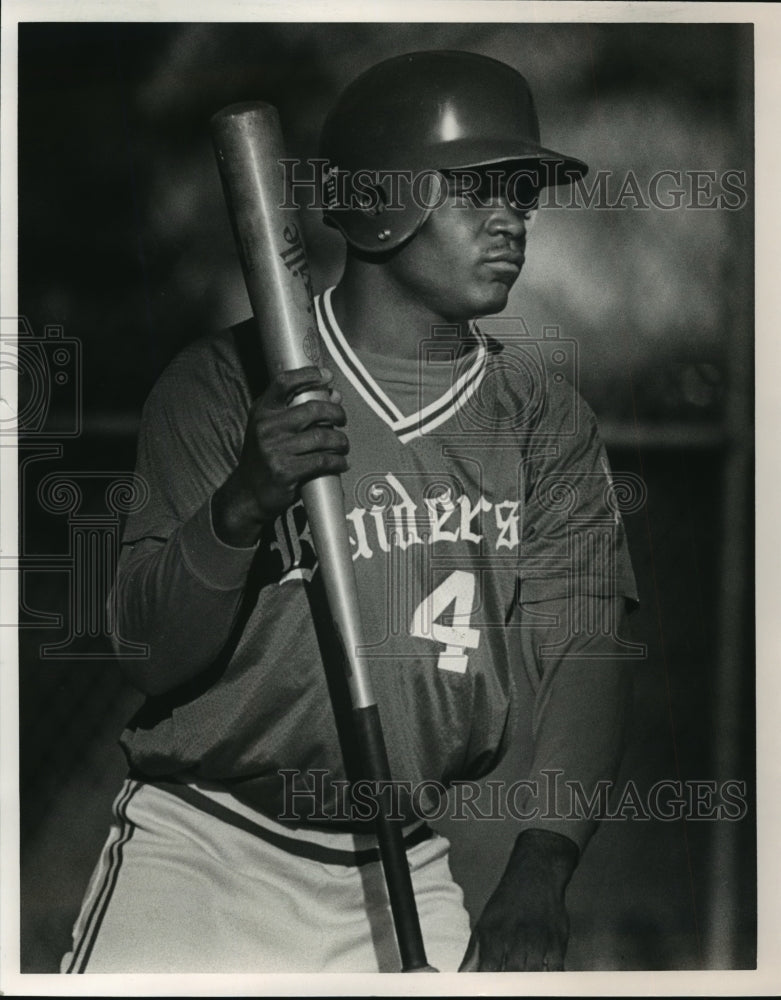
<point>192,880</point>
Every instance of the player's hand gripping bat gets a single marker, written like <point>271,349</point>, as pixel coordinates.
<point>249,147</point>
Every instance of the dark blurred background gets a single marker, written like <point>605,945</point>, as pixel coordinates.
<point>125,255</point>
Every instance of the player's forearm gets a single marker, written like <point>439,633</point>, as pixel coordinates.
<point>579,745</point>
<point>580,720</point>
<point>180,598</point>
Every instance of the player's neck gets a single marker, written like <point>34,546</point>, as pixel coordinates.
<point>376,316</point>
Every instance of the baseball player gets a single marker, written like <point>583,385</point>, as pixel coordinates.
<point>489,559</point>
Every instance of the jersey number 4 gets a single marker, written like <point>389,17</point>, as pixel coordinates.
<point>457,589</point>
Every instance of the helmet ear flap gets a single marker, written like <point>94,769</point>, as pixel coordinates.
<point>375,218</point>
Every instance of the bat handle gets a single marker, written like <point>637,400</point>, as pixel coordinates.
<point>391,842</point>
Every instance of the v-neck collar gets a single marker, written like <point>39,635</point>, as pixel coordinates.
<point>419,423</point>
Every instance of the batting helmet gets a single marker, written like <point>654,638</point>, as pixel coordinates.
<point>409,117</point>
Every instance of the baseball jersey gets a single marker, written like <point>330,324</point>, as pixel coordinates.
<point>477,486</point>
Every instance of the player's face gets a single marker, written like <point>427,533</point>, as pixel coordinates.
<point>469,252</point>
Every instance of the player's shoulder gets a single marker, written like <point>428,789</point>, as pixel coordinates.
<point>223,365</point>
<point>529,389</point>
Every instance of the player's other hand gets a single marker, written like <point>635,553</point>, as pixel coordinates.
<point>524,926</point>
<point>284,446</point>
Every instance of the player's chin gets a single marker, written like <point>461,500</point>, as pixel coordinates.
<point>495,296</point>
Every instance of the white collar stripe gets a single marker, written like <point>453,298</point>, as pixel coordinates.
<point>419,423</point>
<point>445,402</point>
<point>353,367</point>
<point>464,393</point>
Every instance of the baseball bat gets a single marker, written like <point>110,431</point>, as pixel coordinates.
<point>249,148</point>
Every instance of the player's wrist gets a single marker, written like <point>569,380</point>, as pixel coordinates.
<point>552,854</point>
<point>236,518</point>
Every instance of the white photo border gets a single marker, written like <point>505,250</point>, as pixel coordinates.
<point>767,56</point>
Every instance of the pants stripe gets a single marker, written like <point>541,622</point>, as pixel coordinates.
<point>301,848</point>
<point>83,950</point>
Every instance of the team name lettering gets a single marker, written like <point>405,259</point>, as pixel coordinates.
<point>400,523</point>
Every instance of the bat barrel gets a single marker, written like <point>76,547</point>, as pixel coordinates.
<point>249,148</point>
